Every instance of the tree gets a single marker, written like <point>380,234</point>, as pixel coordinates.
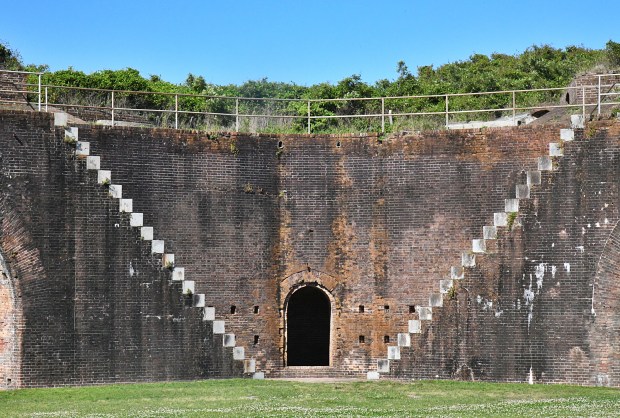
<point>10,59</point>
<point>613,53</point>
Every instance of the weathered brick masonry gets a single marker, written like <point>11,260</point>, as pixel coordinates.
<point>374,224</point>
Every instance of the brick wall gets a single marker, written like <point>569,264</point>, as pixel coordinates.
<point>253,217</point>
<point>10,86</point>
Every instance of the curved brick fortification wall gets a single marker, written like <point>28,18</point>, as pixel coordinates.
<point>374,224</point>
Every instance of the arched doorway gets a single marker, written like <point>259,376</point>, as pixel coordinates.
<point>308,323</point>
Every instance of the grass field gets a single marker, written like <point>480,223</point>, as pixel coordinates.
<point>254,398</point>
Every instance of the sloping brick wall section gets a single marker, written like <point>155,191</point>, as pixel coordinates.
<point>376,224</point>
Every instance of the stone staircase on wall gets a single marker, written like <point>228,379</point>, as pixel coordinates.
<point>479,247</point>
<point>147,233</point>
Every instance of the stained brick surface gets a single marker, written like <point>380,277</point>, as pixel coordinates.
<point>372,223</point>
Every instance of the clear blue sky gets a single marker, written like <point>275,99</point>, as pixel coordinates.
<point>305,42</point>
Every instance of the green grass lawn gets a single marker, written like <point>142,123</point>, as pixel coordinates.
<point>256,398</point>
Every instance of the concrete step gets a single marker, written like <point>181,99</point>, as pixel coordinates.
<point>146,233</point>
<point>522,191</point>
<point>167,261</point>
<point>136,219</point>
<point>577,122</point>
<point>545,163</point>
<point>435,300</point>
<point>116,191</point>
<point>556,149</point>
<point>82,149</point>
<point>157,246</point>
<point>178,274</point>
<point>93,162</point>
<point>478,246</point>
<point>456,272</point>
<point>445,285</point>
<point>229,340</point>
<point>511,205</point>
<point>533,178</point>
<point>489,232</point>
<point>567,135</point>
<point>468,260</point>
<point>188,287</point>
<point>125,205</point>
<point>104,176</point>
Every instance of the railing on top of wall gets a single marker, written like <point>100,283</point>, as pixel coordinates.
<point>114,103</point>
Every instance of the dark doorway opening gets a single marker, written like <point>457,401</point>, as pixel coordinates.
<point>308,328</point>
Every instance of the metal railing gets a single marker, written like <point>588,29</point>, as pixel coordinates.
<point>121,104</point>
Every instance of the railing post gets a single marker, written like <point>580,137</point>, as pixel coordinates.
<point>237,115</point>
<point>447,112</point>
<point>308,116</point>
<point>583,102</point>
<point>46,98</point>
<point>39,92</point>
<point>598,102</point>
<point>112,107</point>
<point>514,107</point>
<point>382,115</point>
<point>176,111</point>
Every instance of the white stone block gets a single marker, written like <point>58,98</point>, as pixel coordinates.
<point>445,285</point>
<point>456,272</point>
<point>104,176</point>
<point>82,149</point>
<point>167,261</point>
<point>218,327</point>
<point>60,119</point>
<point>178,274</point>
<point>523,191</point>
<point>500,219</point>
<point>478,246</point>
<point>238,353</point>
<point>199,300</point>
<point>116,191</point>
<point>188,287</point>
<point>567,135</point>
<point>383,366</point>
<point>545,163</point>
<point>511,205</point>
<point>249,366</point>
<point>425,313</point>
<point>393,353</point>
<point>534,178</point>
<point>125,205</point>
<point>157,246</point>
<point>415,326</point>
<point>229,340</point>
<point>71,135</point>
<point>489,232</point>
<point>136,219</point>
<point>258,376</point>
<point>468,260</point>
<point>208,314</point>
<point>577,122</point>
<point>556,149</point>
<point>403,340</point>
<point>146,232</point>
<point>93,162</point>
<point>372,375</point>
<point>435,300</point>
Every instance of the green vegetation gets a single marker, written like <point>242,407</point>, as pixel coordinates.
<point>537,67</point>
<point>250,398</point>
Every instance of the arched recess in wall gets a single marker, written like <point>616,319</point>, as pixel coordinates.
<point>605,330</point>
<point>308,326</point>
<point>326,283</point>
<point>10,330</point>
